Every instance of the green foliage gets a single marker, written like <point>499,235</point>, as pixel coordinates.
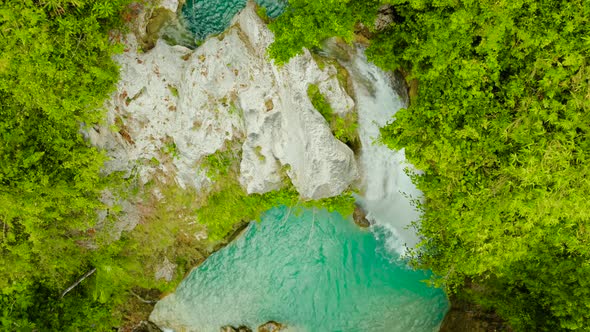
<point>319,102</point>
<point>343,204</point>
<point>261,12</point>
<point>306,23</point>
<point>223,163</point>
<point>232,205</point>
<point>36,308</point>
<point>173,90</point>
<point>500,129</point>
<point>55,72</point>
<point>344,128</point>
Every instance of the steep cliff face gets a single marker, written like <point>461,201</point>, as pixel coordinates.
<point>174,106</point>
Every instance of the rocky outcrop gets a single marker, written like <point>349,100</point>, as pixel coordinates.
<point>360,217</point>
<point>399,84</point>
<point>174,106</point>
<point>385,17</point>
<point>271,326</point>
<point>465,316</point>
<point>165,270</point>
<point>171,5</point>
<point>229,328</point>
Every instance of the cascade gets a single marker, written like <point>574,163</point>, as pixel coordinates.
<point>388,191</point>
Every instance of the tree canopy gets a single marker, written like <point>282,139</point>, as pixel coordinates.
<point>55,72</point>
<point>500,130</point>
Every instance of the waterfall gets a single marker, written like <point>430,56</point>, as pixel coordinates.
<point>387,190</point>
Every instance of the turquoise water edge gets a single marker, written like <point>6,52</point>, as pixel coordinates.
<point>314,271</point>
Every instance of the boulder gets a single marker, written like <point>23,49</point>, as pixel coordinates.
<point>385,17</point>
<point>229,328</point>
<point>271,326</point>
<point>360,217</point>
<point>146,326</point>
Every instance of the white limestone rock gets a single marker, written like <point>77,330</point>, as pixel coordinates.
<point>174,106</point>
<point>171,5</point>
<point>292,132</point>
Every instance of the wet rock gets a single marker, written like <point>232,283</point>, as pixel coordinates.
<point>271,326</point>
<point>399,84</point>
<point>229,328</point>
<point>360,217</point>
<point>146,326</point>
<point>227,90</point>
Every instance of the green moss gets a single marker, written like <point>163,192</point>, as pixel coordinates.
<point>173,90</point>
<point>258,151</point>
<point>344,128</point>
<point>319,102</point>
<point>170,148</point>
<point>154,162</point>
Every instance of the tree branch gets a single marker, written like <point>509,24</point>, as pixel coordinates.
<point>88,274</point>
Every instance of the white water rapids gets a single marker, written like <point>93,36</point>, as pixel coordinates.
<point>388,190</point>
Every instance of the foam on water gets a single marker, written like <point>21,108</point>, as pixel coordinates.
<point>388,190</point>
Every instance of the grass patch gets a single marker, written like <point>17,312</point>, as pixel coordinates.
<point>228,204</point>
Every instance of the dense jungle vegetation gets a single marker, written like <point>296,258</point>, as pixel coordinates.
<point>55,72</point>
<point>499,127</point>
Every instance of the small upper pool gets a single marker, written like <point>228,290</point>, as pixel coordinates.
<point>209,17</point>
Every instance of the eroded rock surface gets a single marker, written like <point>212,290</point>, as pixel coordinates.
<point>174,106</point>
<point>229,328</point>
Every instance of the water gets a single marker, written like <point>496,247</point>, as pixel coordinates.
<point>209,17</point>
<point>315,272</point>
<point>388,191</point>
